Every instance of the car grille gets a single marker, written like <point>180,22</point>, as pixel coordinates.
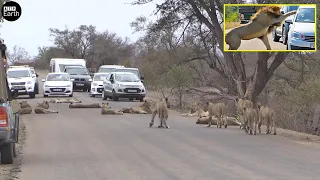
<point>309,38</point>
<point>130,90</point>
<point>18,88</point>
<point>18,83</point>
<point>79,79</point>
<point>100,90</point>
<point>57,89</point>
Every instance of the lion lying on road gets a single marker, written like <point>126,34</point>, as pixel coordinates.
<point>25,108</point>
<point>231,121</point>
<point>196,110</point>
<point>43,108</point>
<point>65,100</point>
<point>93,105</point>
<point>262,24</point>
<point>144,108</point>
<point>106,109</point>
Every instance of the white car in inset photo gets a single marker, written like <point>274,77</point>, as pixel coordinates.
<point>57,84</point>
<point>97,84</point>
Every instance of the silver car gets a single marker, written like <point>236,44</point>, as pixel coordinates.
<point>301,35</point>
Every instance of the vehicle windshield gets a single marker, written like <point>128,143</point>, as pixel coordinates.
<point>18,74</point>
<point>100,77</point>
<point>58,77</point>
<point>305,15</point>
<point>64,66</point>
<point>106,70</point>
<point>127,78</point>
<point>136,72</point>
<point>76,71</point>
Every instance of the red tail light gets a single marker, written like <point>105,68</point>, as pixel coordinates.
<point>3,117</point>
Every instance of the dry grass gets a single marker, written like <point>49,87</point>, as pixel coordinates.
<point>230,25</point>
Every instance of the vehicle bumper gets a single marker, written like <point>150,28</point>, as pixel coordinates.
<point>81,85</point>
<point>300,45</point>
<point>57,91</point>
<point>126,94</point>
<point>22,90</point>
<point>96,90</point>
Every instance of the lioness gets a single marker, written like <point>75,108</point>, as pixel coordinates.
<point>25,108</point>
<point>240,104</point>
<point>262,24</point>
<point>65,100</point>
<point>106,109</point>
<point>43,109</point>
<point>267,115</point>
<point>251,120</point>
<point>44,104</point>
<point>155,110</point>
<point>93,105</point>
<point>196,110</point>
<point>163,113</point>
<point>219,111</point>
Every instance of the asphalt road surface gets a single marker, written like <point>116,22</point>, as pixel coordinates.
<point>82,144</point>
<point>257,44</point>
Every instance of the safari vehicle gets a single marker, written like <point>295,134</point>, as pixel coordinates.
<point>97,84</point>
<point>9,119</point>
<point>301,35</point>
<point>123,85</point>
<point>22,81</point>
<point>133,70</point>
<point>245,13</point>
<point>108,68</point>
<point>282,31</point>
<point>80,76</point>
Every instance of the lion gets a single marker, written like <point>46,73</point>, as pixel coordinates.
<point>196,110</point>
<point>93,105</point>
<point>65,100</point>
<point>231,121</point>
<point>155,109</point>
<point>41,108</point>
<point>44,104</point>
<point>106,109</point>
<point>251,120</point>
<point>262,24</point>
<point>240,104</point>
<point>25,108</point>
<point>217,110</point>
<point>163,113</point>
<point>267,115</point>
<point>144,108</point>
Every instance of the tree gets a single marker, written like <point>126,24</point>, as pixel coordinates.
<point>18,54</point>
<point>205,19</point>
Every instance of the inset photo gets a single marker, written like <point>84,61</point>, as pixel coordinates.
<point>270,27</point>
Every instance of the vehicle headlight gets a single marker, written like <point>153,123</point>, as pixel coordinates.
<point>121,86</point>
<point>72,79</point>
<point>95,84</point>
<point>90,79</point>
<point>69,85</point>
<point>29,82</point>
<point>297,35</point>
<point>46,85</point>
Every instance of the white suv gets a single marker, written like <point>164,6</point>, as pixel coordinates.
<point>123,85</point>
<point>22,81</point>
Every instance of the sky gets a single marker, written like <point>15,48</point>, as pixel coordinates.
<point>31,30</point>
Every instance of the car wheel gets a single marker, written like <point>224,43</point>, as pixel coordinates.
<point>284,35</point>
<point>114,97</point>
<point>130,99</point>
<point>32,95</point>
<point>7,153</point>
<point>275,37</point>
<point>92,95</point>
<point>104,97</point>
<point>36,88</point>
<point>71,95</point>
<point>141,99</point>
<point>45,95</point>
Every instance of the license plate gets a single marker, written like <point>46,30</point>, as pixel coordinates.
<point>57,90</point>
<point>312,45</point>
<point>80,84</point>
<point>21,91</point>
<point>132,90</point>
<point>18,87</point>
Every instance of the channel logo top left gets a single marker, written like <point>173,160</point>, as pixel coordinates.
<point>11,11</point>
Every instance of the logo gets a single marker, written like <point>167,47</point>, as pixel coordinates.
<point>11,11</point>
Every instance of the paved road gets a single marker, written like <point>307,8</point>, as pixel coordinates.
<point>257,44</point>
<point>81,144</point>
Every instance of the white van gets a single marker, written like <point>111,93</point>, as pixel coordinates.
<point>59,64</point>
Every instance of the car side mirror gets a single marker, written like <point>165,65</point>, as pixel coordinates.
<point>91,74</point>
<point>37,75</point>
<point>282,12</point>
<point>112,81</point>
<point>288,21</point>
<point>142,77</point>
<point>43,80</point>
<point>33,76</point>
